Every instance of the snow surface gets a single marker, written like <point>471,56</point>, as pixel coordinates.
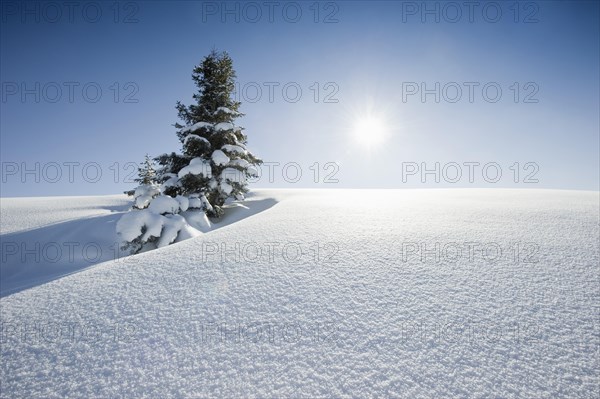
<point>19,214</point>
<point>73,233</point>
<point>62,243</point>
<point>353,316</point>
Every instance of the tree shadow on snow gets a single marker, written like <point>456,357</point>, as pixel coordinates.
<point>34,257</point>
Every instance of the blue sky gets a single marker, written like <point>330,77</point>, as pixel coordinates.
<point>357,65</point>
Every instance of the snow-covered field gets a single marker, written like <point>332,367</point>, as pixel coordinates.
<point>310,293</point>
<point>19,214</point>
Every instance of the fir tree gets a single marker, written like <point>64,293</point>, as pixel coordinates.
<point>214,162</point>
<point>146,175</point>
<point>146,172</point>
<point>213,166</point>
<point>148,188</point>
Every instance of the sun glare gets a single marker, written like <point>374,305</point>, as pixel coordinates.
<point>370,131</point>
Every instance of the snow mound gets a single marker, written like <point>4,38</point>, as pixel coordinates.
<point>75,233</point>
<point>219,158</point>
<point>194,202</point>
<point>142,224</point>
<point>144,194</point>
<point>226,187</point>
<point>184,202</point>
<point>197,166</point>
<point>145,225</point>
<point>164,204</point>
<point>172,224</point>
<point>197,220</point>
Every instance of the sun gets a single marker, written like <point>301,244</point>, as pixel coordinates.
<point>370,131</point>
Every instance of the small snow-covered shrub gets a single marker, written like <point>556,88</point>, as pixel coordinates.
<point>164,205</point>
<point>144,194</point>
<point>139,229</point>
<point>163,221</point>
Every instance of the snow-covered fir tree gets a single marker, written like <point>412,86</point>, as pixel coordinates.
<point>148,188</point>
<point>146,172</point>
<point>173,201</point>
<point>215,163</point>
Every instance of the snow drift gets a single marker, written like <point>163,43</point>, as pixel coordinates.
<point>46,238</point>
<point>331,293</point>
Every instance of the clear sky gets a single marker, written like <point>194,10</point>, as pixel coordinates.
<point>517,87</point>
